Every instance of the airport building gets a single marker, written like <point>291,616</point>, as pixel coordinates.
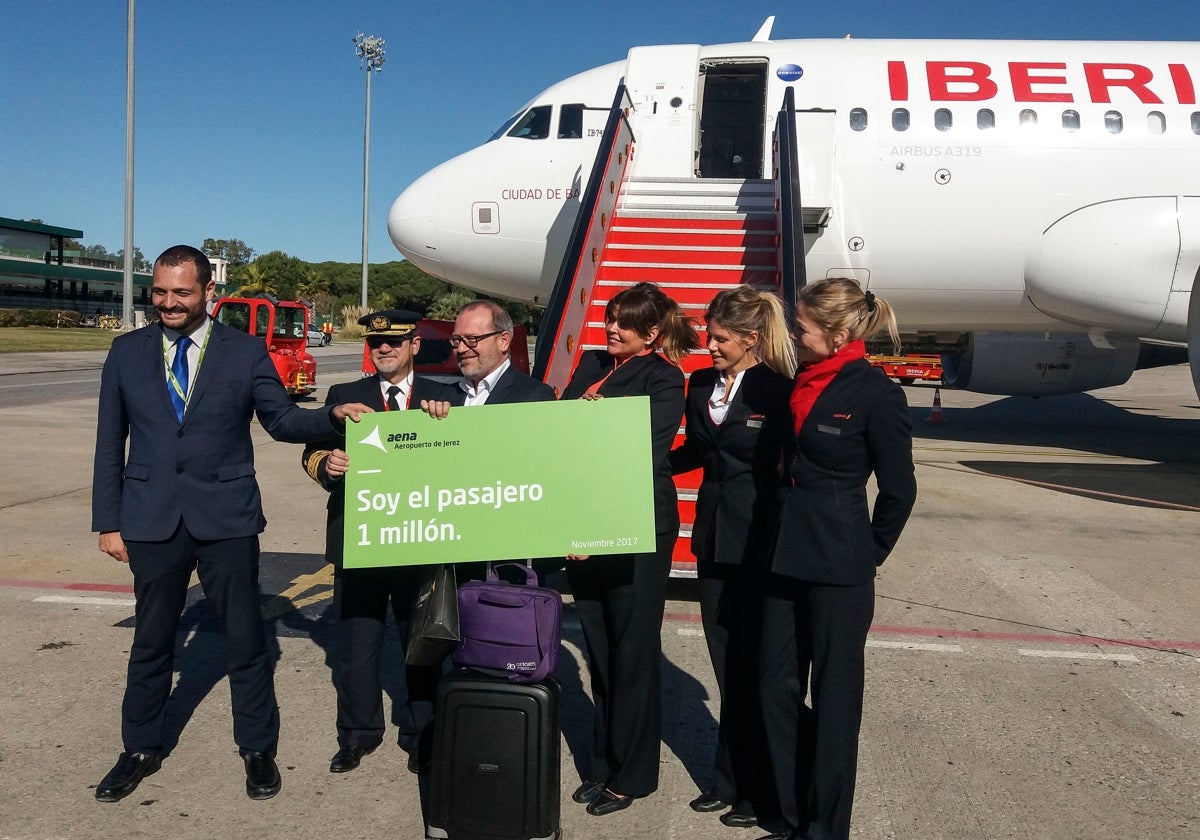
<point>37,271</point>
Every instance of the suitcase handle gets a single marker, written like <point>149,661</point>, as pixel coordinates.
<point>504,599</point>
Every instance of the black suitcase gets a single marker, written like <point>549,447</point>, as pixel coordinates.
<point>496,766</point>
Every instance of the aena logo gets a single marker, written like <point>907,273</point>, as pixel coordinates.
<point>373,440</point>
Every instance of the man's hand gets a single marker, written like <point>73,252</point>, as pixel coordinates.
<point>352,410</point>
<point>336,464</point>
<point>590,397</point>
<point>112,545</point>
<point>437,409</point>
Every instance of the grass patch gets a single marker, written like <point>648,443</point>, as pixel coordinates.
<point>29,339</point>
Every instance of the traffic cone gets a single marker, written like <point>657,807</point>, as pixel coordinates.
<point>936,415</point>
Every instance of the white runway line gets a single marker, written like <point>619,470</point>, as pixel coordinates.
<point>930,646</point>
<point>689,631</point>
<point>85,599</point>
<point>1079,654</point>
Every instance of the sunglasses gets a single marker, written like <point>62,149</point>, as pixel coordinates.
<point>377,341</point>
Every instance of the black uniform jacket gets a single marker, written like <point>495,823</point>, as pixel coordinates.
<point>512,387</point>
<point>743,464</point>
<point>653,376</point>
<point>827,533</point>
<point>364,391</point>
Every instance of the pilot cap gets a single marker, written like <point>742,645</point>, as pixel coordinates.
<point>392,323</point>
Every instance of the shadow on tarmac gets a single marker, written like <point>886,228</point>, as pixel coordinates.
<point>1084,423</point>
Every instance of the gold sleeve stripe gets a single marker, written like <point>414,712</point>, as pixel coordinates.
<point>313,461</point>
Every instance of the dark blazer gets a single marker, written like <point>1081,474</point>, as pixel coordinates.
<point>859,425</point>
<point>512,387</point>
<point>743,464</point>
<point>366,391</point>
<point>653,376</point>
<point>201,470</point>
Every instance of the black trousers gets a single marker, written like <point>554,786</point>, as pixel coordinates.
<point>361,603</point>
<point>814,636</point>
<point>731,599</point>
<point>620,599</point>
<point>228,571</point>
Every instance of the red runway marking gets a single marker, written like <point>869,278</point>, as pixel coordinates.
<point>74,587</point>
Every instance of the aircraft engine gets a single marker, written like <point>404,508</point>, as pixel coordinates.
<point>1041,364</point>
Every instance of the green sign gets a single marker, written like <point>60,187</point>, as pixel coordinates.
<point>500,482</point>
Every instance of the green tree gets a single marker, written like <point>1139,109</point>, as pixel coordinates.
<point>446,307</point>
<point>237,252</point>
<point>287,273</point>
<point>140,263</point>
<point>253,280</point>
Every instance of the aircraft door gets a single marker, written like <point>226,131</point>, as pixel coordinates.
<point>662,84</point>
<point>733,135</point>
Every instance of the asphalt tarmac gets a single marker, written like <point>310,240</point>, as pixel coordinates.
<point>1033,669</point>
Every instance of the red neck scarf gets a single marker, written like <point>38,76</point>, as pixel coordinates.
<point>813,378</point>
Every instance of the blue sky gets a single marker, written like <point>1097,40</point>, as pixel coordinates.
<point>250,112</point>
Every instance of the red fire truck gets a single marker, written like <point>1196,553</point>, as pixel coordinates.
<point>283,324</point>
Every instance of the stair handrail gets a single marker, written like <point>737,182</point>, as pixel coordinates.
<point>789,216</point>
<point>565,310</point>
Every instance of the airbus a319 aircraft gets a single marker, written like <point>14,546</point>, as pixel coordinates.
<point>1031,208</point>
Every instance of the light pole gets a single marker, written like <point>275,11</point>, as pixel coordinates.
<point>370,55</point>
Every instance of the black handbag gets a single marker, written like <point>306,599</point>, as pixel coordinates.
<point>433,621</point>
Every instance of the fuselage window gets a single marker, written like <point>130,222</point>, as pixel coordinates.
<point>943,120</point>
<point>570,122</point>
<point>1070,120</point>
<point>534,125</point>
<point>900,119</point>
<point>985,118</point>
<point>858,119</point>
<point>1114,122</point>
<point>1028,118</point>
<point>1156,122</point>
<point>1195,122</point>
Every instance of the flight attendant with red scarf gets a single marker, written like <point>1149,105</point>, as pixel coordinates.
<point>850,421</point>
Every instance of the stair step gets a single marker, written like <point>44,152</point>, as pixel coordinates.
<point>680,255</point>
<point>698,221</point>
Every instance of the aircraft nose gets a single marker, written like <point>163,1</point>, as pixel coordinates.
<point>413,228</point>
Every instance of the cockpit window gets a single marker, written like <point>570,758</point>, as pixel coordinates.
<point>534,125</point>
<point>570,122</point>
<point>502,130</point>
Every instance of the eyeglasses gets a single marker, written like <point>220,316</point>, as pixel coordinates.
<point>377,341</point>
<point>472,341</point>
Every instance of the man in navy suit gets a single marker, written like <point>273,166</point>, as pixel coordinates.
<point>182,393</point>
<point>361,596</point>
<point>482,339</point>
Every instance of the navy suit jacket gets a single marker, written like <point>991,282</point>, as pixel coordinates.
<point>200,470</point>
<point>743,464</point>
<point>512,387</point>
<point>652,376</point>
<point>859,425</point>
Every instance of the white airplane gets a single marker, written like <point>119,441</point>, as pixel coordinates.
<point>1030,208</point>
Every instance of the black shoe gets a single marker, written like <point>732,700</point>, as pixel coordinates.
<point>607,802</point>
<point>708,802</point>
<point>123,779</point>
<point>262,776</point>
<point>347,758</point>
<point>741,816</point>
<point>587,791</point>
<point>777,835</point>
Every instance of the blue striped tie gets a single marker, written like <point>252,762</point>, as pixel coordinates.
<point>179,369</point>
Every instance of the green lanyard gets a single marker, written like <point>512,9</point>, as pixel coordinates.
<point>171,379</point>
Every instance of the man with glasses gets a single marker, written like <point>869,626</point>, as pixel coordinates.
<point>482,340</point>
<point>361,596</point>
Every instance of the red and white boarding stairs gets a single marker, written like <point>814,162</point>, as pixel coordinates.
<point>693,238</point>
